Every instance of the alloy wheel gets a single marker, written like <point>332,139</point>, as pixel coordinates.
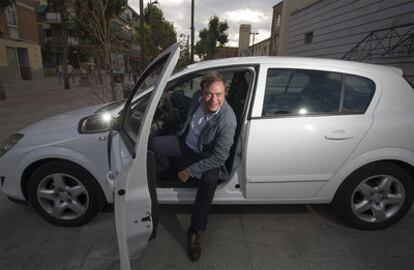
<point>63,196</point>
<point>378,198</point>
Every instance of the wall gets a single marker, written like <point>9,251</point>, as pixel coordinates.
<point>27,38</point>
<point>35,58</point>
<point>280,33</point>
<point>226,52</point>
<point>339,25</point>
<point>261,49</point>
<point>277,29</point>
<point>27,22</point>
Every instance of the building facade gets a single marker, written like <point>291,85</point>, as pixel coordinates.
<point>372,31</point>
<point>226,52</point>
<point>125,44</point>
<point>51,35</point>
<point>280,24</point>
<point>261,48</point>
<point>20,52</point>
<point>125,48</point>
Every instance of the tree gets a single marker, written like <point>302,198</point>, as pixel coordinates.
<point>211,37</point>
<point>184,58</point>
<point>61,6</point>
<point>99,30</point>
<point>159,33</point>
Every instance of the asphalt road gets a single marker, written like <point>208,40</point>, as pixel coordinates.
<point>238,237</point>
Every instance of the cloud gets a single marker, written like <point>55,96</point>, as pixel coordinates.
<point>256,13</point>
<point>246,15</point>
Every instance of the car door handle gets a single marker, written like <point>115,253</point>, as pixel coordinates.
<point>338,135</point>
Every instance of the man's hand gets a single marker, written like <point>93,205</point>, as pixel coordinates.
<point>183,175</point>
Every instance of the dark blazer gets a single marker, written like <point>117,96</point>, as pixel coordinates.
<point>215,140</point>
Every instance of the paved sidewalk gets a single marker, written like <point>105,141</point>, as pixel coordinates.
<point>238,237</point>
<point>30,101</point>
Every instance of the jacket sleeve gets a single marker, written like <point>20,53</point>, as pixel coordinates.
<point>220,153</point>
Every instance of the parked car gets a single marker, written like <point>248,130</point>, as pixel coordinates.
<point>310,131</point>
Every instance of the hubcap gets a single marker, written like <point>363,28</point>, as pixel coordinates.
<point>378,198</point>
<point>63,196</point>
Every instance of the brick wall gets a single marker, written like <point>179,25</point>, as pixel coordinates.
<point>27,22</point>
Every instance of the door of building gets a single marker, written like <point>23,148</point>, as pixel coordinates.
<point>24,64</point>
<point>13,64</point>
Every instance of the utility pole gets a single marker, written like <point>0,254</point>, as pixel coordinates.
<point>141,32</point>
<point>192,32</point>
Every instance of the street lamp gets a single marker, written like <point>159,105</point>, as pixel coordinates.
<point>253,34</point>
<point>192,32</point>
<point>141,33</point>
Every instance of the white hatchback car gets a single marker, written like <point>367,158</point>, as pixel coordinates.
<point>309,131</point>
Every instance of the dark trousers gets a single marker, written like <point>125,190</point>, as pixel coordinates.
<point>171,151</point>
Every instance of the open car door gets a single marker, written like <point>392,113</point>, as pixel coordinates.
<point>134,189</point>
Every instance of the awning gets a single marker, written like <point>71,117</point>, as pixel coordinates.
<point>41,9</point>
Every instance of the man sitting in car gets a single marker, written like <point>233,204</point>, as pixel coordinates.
<point>200,150</point>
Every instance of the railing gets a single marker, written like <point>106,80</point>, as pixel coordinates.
<point>390,42</point>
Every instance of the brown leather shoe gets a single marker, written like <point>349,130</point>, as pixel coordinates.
<point>194,247</point>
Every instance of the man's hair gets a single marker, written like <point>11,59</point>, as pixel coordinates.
<point>210,78</point>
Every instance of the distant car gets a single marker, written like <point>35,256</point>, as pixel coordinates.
<point>309,131</point>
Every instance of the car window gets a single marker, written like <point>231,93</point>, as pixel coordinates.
<point>135,111</point>
<point>188,87</point>
<point>358,94</point>
<point>300,92</point>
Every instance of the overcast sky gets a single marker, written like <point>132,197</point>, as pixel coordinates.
<point>257,13</point>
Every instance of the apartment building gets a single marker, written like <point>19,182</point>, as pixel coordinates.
<point>20,52</point>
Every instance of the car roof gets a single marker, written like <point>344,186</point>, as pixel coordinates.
<point>292,60</point>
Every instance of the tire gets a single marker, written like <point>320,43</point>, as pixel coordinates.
<point>64,194</point>
<point>375,196</point>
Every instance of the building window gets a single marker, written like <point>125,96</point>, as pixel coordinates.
<point>276,42</point>
<point>278,20</point>
<point>309,37</point>
<point>11,15</point>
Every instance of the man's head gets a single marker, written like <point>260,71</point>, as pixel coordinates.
<point>213,90</point>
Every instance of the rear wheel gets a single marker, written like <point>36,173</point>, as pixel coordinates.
<point>375,196</point>
<point>64,193</point>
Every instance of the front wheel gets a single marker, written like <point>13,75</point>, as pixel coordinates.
<point>64,194</point>
<point>375,196</point>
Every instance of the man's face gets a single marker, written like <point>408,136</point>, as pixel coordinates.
<point>213,96</point>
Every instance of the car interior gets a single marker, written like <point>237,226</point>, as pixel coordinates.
<point>173,106</point>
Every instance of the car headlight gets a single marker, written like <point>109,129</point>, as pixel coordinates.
<point>9,142</point>
<point>96,123</point>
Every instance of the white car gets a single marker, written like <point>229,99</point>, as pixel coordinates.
<point>309,131</point>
